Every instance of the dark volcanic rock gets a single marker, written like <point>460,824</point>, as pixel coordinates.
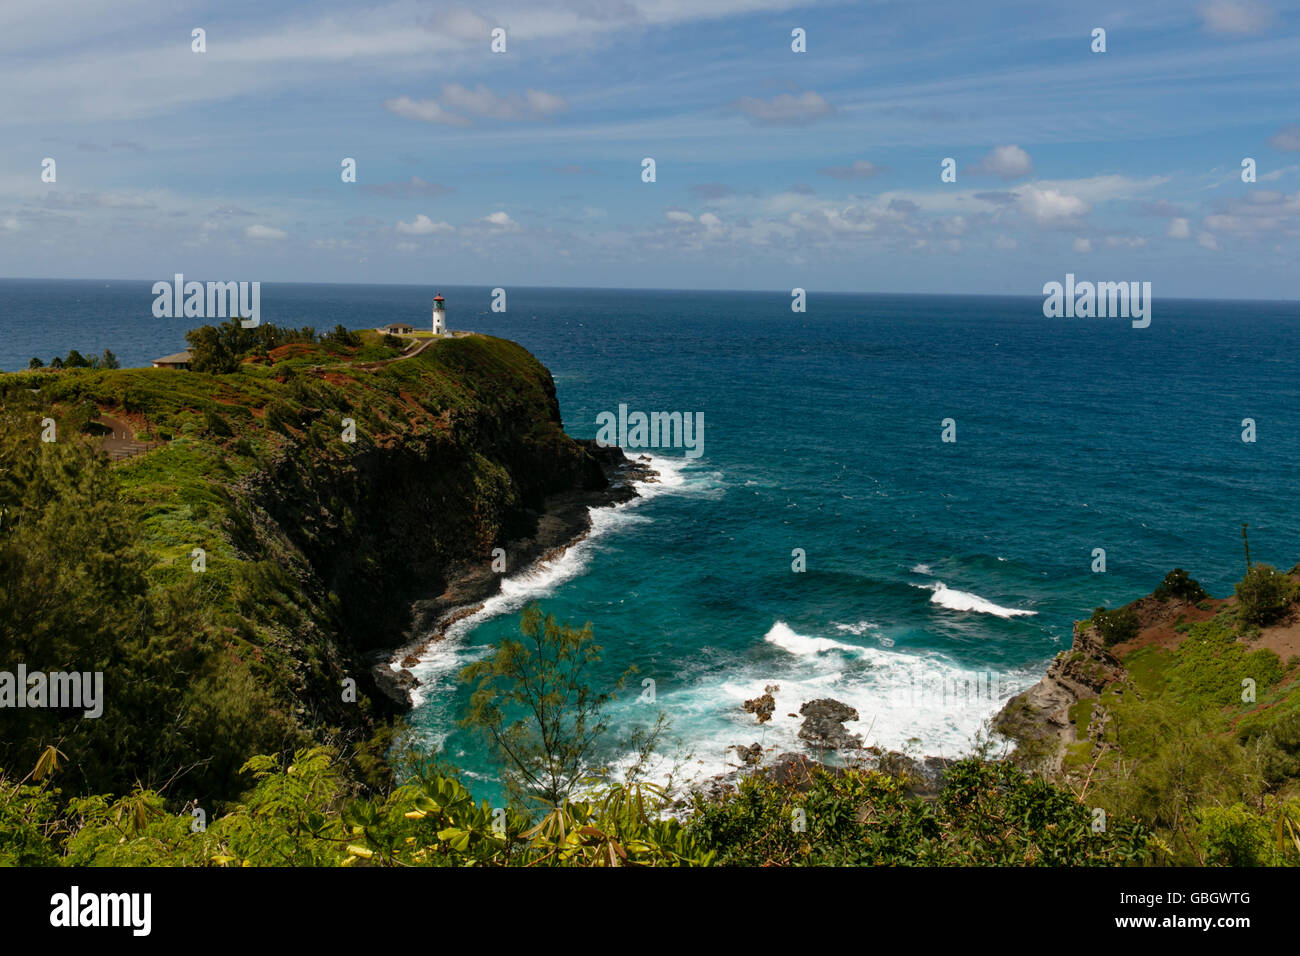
<point>395,685</point>
<point>793,770</point>
<point>823,724</point>
<point>562,520</point>
<point>762,707</point>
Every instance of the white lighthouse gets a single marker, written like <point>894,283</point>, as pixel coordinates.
<point>439,315</point>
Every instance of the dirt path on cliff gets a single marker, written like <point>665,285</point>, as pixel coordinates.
<point>374,366</point>
<point>424,344</point>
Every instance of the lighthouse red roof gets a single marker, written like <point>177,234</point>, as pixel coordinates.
<point>438,298</point>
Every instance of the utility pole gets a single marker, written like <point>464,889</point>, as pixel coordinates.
<point>1246,542</point>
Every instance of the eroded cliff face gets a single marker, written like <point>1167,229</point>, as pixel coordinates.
<point>1041,720</point>
<point>374,535</point>
<point>386,525</point>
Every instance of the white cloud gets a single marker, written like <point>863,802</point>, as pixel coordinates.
<point>1126,242</point>
<point>462,23</point>
<point>1005,162</point>
<point>458,100</point>
<point>1050,205</point>
<point>1179,229</point>
<point>1260,214</point>
<point>1004,243</point>
<point>1206,240</point>
<point>258,231</point>
<point>1287,138</point>
<point>1104,188</point>
<point>481,101</point>
<point>785,109</point>
<point>501,220</point>
<point>427,111</point>
<point>1082,245</point>
<point>678,215</point>
<point>1281,170</point>
<point>1235,16</point>
<point>422,225</point>
<point>9,225</point>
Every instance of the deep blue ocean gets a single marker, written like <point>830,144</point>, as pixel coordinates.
<point>941,577</point>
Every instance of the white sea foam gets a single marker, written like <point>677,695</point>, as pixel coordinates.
<point>899,696</point>
<point>783,637</point>
<point>858,629</point>
<point>954,600</point>
<point>922,569</point>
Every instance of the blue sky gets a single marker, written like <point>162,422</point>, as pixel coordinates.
<point>774,169</point>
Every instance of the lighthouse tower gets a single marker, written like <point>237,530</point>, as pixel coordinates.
<point>439,315</point>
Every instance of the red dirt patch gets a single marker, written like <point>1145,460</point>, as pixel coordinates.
<point>292,350</point>
<point>1283,638</point>
<point>1158,620</point>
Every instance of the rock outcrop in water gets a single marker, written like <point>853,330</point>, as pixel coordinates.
<point>823,726</point>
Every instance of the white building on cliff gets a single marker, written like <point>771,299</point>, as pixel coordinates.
<point>439,315</point>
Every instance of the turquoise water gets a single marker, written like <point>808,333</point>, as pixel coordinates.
<point>940,576</point>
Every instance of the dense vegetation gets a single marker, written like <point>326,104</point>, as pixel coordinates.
<point>107,360</point>
<point>223,348</point>
<point>230,582</point>
<point>1200,741</point>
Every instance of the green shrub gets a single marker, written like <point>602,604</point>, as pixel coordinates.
<point>989,814</point>
<point>1263,594</point>
<point>1115,626</point>
<point>216,424</point>
<point>1234,836</point>
<point>1179,586</point>
<point>278,416</point>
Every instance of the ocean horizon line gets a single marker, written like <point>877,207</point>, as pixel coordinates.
<point>655,289</point>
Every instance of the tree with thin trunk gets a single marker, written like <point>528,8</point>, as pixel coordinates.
<point>533,704</point>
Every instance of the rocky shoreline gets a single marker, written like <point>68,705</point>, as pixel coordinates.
<point>1047,719</point>
<point>834,750</point>
<point>1040,720</point>
<point>563,521</point>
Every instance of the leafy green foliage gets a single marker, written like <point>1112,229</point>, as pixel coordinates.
<point>304,812</point>
<point>1236,835</point>
<point>221,348</point>
<point>1170,755</point>
<point>988,814</point>
<point>1115,626</point>
<point>69,552</point>
<point>340,335</point>
<point>1264,594</point>
<point>1179,586</point>
<point>107,360</point>
<point>535,709</point>
<point>29,824</point>
<point>1210,665</point>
